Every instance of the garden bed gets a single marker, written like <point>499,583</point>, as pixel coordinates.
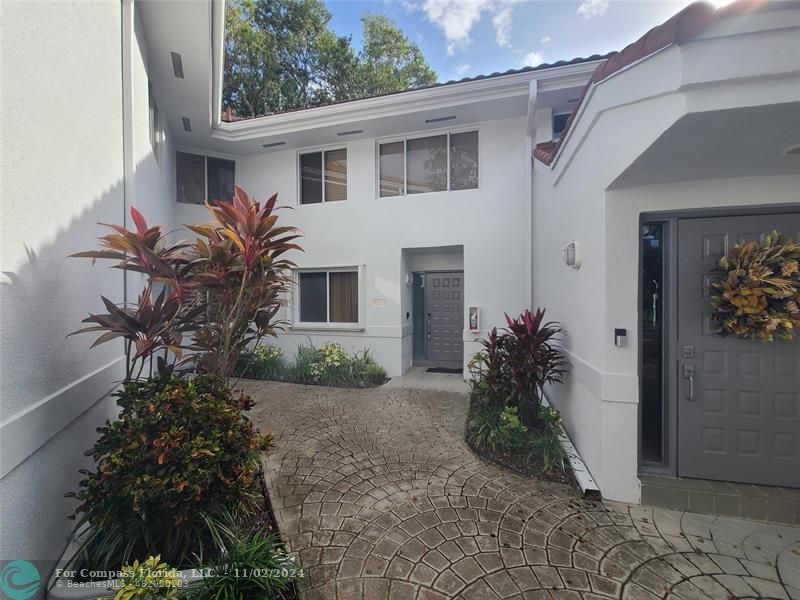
<point>515,460</point>
<point>85,588</point>
<point>329,365</point>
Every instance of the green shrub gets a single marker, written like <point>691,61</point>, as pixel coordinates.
<point>374,374</point>
<point>247,564</point>
<point>501,431</point>
<point>497,430</point>
<point>181,449</point>
<point>149,580</point>
<point>544,445</point>
<point>266,362</point>
<point>329,364</point>
<point>304,360</point>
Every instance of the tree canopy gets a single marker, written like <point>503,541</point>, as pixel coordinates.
<point>282,55</point>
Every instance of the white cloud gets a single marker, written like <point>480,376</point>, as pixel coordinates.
<point>456,18</point>
<point>532,59</point>
<point>502,26</point>
<point>546,39</point>
<point>461,71</point>
<point>593,8</point>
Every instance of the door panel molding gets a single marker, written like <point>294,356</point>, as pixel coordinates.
<point>730,396</point>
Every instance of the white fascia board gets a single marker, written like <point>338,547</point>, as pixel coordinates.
<point>494,88</point>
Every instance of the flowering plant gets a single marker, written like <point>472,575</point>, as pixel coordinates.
<point>758,293</point>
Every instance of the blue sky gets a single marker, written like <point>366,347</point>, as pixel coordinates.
<point>462,38</point>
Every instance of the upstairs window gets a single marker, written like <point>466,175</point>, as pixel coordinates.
<point>437,163</point>
<point>323,176</point>
<point>328,296</point>
<point>559,125</point>
<point>201,179</point>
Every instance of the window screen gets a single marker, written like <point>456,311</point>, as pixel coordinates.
<point>464,160</point>
<point>426,164</point>
<point>221,179</point>
<point>190,176</point>
<point>313,297</point>
<point>392,164</point>
<point>311,178</point>
<point>335,175</point>
<point>343,297</point>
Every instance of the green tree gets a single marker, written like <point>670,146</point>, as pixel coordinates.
<point>390,62</point>
<point>282,55</point>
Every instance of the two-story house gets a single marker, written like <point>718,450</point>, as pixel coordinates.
<point>602,188</point>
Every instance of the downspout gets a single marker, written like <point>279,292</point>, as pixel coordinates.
<point>530,132</point>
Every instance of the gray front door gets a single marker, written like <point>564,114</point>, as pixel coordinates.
<point>739,411</point>
<point>444,305</point>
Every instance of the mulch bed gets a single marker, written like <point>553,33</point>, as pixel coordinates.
<point>514,462</point>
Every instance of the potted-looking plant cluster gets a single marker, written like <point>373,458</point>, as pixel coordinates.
<point>176,494</point>
<point>509,422</point>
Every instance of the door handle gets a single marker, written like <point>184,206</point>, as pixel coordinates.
<point>688,373</point>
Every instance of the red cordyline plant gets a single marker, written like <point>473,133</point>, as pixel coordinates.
<point>515,364</point>
<point>223,288</point>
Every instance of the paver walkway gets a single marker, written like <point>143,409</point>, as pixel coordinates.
<point>379,496</point>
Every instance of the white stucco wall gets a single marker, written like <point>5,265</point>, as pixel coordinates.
<point>61,172</point>
<point>371,231</point>
<point>619,120</point>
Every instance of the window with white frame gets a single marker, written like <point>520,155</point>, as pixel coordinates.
<point>328,296</point>
<point>435,163</point>
<point>201,178</point>
<point>323,176</point>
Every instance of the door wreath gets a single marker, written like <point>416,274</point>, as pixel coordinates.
<point>757,292</point>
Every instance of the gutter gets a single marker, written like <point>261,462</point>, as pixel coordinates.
<point>217,60</point>
<point>432,98</point>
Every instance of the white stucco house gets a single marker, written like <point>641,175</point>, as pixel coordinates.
<point>601,188</point>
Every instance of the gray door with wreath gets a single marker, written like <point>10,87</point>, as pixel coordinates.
<point>738,393</point>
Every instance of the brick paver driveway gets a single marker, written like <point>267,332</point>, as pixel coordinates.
<point>379,496</point>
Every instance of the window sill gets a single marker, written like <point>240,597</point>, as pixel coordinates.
<point>327,327</point>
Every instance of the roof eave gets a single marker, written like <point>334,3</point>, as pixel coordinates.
<point>432,98</point>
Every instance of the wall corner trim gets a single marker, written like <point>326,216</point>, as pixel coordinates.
<point>25,432</point>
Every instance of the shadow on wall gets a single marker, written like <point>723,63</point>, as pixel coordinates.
<point>40,303</point>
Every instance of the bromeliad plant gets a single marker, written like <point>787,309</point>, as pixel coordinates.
<point>515,364</point>
<point>223,288</point>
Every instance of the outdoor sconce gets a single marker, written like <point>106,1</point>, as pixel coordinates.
<point>620,337</point>
<point>409,279</point>
<point>572,255</point>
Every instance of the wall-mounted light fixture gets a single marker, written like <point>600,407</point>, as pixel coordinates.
<point>572,254</point>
